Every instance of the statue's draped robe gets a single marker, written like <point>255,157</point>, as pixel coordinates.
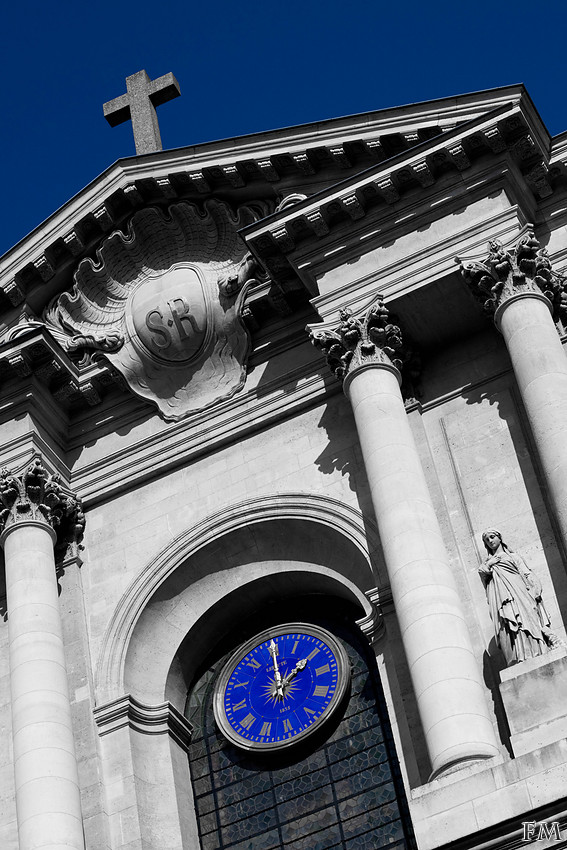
<point>516,608</point>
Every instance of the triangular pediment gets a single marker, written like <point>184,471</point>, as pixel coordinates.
<point>305,159</point>
<point>341,170</point>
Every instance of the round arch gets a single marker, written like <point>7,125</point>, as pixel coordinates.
<point>216,571</point>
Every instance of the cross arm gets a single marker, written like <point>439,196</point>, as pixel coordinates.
<point>117,111</point>
<point>163,89</point>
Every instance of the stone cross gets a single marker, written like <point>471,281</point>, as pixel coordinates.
<point>139,104</point>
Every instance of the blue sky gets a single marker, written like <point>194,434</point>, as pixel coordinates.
<point>244,67</point>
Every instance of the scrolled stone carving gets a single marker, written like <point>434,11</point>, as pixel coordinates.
<point>373,337</point>
<point>163,305</point>
<point>38,496</point>
<point>71,342</point>
<point>505,273</point>
<point>290,200</point>
<point>246,273</point>
<point>96,342</point>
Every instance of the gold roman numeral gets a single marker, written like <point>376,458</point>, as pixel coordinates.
<point>266,729</point>
<point>239,705</point>
<point>312,654</point>
<point>294,647</point>
<point>286,725</point>
<point>321,691</point>
<point>254,664</point>
<point>248,721</point>
<point>320,670</point>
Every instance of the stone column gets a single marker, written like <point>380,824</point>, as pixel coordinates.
<point>38,513</point>
<point>523,293</point>
<point>364,353</point>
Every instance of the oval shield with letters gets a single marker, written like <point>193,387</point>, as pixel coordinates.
<point>168,315</point>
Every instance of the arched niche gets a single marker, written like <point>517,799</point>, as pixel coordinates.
<point>189,602</point>
<point>214,575</point>
<point>279,580</point>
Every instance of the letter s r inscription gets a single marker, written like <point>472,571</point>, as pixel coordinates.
<point>155,325</point>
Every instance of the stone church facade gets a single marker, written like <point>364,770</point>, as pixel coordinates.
<point>260,400</point>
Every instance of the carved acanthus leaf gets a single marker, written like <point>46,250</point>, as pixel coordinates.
<point>36,495</point>
<point>374,337</point>
<point>505,273</point>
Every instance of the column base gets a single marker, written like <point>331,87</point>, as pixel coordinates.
<point>460,764</point>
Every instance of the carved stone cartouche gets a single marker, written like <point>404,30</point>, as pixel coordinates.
<point>163,305</point>
<point>505,273</point>
<point>38,496</point>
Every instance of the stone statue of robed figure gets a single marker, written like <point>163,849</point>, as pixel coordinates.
<point>514,596</point>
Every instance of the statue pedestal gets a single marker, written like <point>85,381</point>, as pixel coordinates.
<point>534,694</point>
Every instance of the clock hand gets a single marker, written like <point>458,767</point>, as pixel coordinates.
<point>299,666</point>
<point>278,675</point>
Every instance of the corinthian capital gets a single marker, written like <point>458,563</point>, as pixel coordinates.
<point>361,341</point>
<point>37,496</point>
<point>505,273</point>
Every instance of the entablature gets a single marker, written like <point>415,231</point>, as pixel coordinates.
<point>34,352</point>
<point>307,236</point>
<point>401,270</point>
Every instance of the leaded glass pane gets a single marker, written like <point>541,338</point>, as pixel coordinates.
<point>343,794</point>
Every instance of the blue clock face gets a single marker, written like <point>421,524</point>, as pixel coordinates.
<point>280,686</point>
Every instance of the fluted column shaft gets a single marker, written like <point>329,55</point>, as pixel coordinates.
<point>540,367</point>
<point>446,679</point>
<point>48,801</point>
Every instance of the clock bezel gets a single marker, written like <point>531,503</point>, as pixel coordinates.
<point>343,680</point>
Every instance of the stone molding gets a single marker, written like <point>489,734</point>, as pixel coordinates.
<point>163,451</point>
<point>35,496</point>
<point>509,273</point>
<point>46,257</point>
<point>507,131</point>
<point>263,159</point>
<point>417,267</point>
<point>32,350</point>
<point>360,531</point>
<point>162,719</point>
<point>373,626</point>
